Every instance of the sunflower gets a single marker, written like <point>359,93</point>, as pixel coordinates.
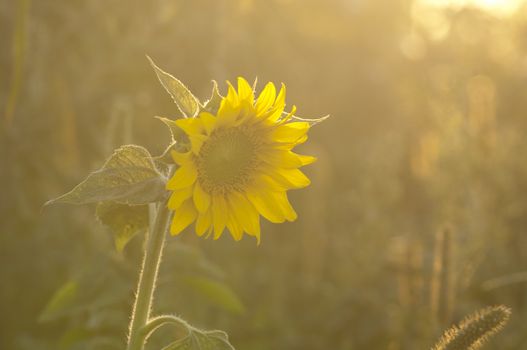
<point>239,165</point>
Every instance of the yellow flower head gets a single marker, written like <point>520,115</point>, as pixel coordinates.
<point>239,166</point>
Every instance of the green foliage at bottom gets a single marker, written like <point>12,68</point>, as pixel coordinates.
<point>202,340</point>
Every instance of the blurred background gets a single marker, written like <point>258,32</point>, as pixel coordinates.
<point>416,215</point>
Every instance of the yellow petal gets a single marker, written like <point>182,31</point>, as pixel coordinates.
<point>306,160</point>
<point>179,157</point>
<point>281,158</point>
<point>290,145</point>
<point>269,182</point>
<point>245,92</point>
<point>196,141</point>
<point>274,115</point>
<point>285,158</point>
<point>183,217</point>
<point>278,107</point>
<point>178,197</point>
<point>227,113</point>
<point>283,203</point>
<point>208,121</point>
<point>288,116</point>
<point>232,96</point>
<point>289,178</point>
<point>265,204</point>
<point>220,214</point>
<point>234,228</point>
<point>190,125</point>
<point>266,99</point>
<point>245,213</point>
<point>290,132</point>
<point>203,222</point>
<point>185,176</point>
<point>301,140</point>
<point>280,100</point>
<point>201,198</point>
<point>295,177</point>
<point>257,232</point>
<point>246,113</point>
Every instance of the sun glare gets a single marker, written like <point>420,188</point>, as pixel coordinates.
<point>497,7</point>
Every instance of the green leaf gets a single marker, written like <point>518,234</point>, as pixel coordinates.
<point>129,176</point>
<point>165,157</point>
<point>180,141</point>
<point>213,104</point>
<point>72,337</point>
<point>217,293</point>
<point>187,103</point>
<point>175,131</point>
<point>202,340</point>
<point>62,299</point>
<point>125,221</point>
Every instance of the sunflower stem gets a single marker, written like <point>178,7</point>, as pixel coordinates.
<point>155,240</point>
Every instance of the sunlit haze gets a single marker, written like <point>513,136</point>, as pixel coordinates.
<point>497,7</point>
<point>367,191</point>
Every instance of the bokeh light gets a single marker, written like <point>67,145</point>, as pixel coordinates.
<point>416,215</point>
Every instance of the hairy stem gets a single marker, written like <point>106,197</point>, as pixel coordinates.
<point>147,279</point>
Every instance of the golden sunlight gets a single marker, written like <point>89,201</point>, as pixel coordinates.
<point>496,7</point>
<point>408,232</point>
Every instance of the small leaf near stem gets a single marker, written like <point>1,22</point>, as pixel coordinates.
<point>213,104</point>
<point>124,221</point>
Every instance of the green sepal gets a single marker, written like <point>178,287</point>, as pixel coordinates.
<point>214,102</point>
<point>165,157</point>
<point>311,121</point>
<point>124,221</point>
<point>175,131</point>
<point>187,103</point>
<point>129,176</point>
<point>179,141</point>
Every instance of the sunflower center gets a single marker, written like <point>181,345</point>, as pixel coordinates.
<point>227,159</point>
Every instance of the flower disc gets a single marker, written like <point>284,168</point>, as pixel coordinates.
<point>239,166</point>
